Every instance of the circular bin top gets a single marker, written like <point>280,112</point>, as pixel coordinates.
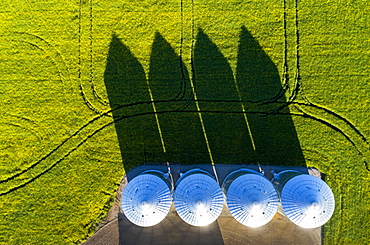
<point>198,198</point>
<point>251,198</point>
<point>307,201</point>
<point>147,198</point>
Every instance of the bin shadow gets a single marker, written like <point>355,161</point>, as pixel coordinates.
<point>274,134</point>
<point>180,126</point>
<point>129,99</point>
<point>169,117</point>
<point>224,123</point>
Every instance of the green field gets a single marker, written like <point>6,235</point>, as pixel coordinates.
<point>91,89</point>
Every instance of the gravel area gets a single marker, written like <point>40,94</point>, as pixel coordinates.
<point>116,229</point>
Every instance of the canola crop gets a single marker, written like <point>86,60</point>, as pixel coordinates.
<point>90,89</point>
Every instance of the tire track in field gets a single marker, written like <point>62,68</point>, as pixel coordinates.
<point>338,124</point>
<point>33,132</point>
<point>18,128</point>
<point>98,123</point>
<point>22,122</point>
<point>84,133</point>
<point>315,112</point>
<point>98,97</point>
<point>83,93</point>
<point>46,47</point>
<point>90,96</point>
<point>87,101</point>
<point>285,74</point>
<point>328,117</point>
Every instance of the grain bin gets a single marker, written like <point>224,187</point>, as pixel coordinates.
<point>251,198</point>
<point>147,198</point>
<point>198,198</point>
<point>306,199</point>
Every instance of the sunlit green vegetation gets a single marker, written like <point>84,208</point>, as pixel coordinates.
<point>62,156</point>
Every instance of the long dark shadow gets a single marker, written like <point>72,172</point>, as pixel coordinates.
<point>125,82</point>
<point>275,136</point>
<point>228,135</point>
<point>169,81</point>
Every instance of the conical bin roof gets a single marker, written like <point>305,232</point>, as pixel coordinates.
<point>147,198</point>
<point>251,198</point>
<point>198,198</point>
<point>307,201</point>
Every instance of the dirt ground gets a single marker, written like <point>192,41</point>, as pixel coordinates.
<point>116,229</point>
